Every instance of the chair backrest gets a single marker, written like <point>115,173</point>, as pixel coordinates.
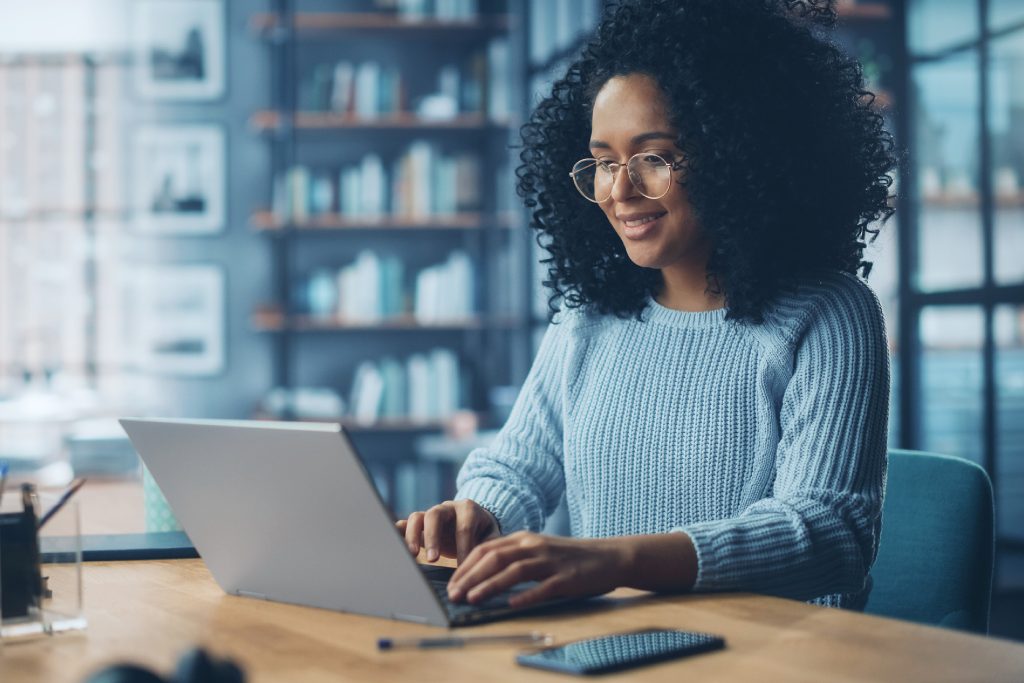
<point>935,555</point>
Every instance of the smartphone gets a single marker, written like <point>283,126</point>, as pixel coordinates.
<point>620,651</point>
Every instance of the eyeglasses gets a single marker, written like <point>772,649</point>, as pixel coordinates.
<point>650,174</point>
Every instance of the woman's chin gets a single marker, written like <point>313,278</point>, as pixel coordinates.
<point>645,258</point>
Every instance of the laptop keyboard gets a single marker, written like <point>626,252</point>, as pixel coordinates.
<point>438,579</point>
<point>499,601</point>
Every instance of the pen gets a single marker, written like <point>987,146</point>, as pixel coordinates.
<point>532,638</point>
<point>27,492</point>
<point>75,485</point>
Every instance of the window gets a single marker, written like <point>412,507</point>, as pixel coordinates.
<point>961,313</point>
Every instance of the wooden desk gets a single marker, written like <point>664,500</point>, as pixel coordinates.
<point>149,612</point>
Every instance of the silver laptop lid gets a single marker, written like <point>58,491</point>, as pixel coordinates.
<point>285,511</point>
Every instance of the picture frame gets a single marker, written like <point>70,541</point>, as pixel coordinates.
<point>179,49</point>
<point>179,179</point>
<point>175,319</point>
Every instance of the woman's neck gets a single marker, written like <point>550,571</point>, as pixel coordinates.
<point>687,290</point>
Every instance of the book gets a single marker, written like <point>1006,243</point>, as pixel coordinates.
<point>458,286</point>
<point>350,191</point>
<point>367,392</point>
<point>298,194</point>
<point>343,87</point>
<point>421,178</point>
<point>444,292</point>
<point>392,295</point>
<point>499,70</point>
<point>418,372</point>
<point>466,183</point>
<point>444,368</point>
<point>389,91</point>
<point>367,304</point>
<point>367,95</point>
<point>373,187</point>
<point>322,82</point>
<point>428,295</point>
<point>474,83</point>
<point>395,400</point>
<point>321,199</point>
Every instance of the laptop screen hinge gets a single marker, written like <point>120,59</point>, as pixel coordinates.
<point>250,594</point>
<point>410,617</point>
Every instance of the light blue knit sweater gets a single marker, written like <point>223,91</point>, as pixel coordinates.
<point>765,443</point>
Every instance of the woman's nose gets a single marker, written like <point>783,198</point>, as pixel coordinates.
<point>622,185</point>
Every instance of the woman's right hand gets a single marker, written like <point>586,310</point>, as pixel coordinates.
<point>451,528</point>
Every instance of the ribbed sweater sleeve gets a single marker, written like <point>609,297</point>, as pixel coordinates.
<point>519,478</point>
<point>817,533</point>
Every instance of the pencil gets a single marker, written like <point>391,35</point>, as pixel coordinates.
<point>532,638</point>
<point>75,485</point>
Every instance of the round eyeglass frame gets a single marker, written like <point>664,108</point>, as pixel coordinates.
<point>673,166</point>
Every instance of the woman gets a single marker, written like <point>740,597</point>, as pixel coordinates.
<point>712,396</point>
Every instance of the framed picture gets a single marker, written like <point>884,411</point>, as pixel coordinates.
<point>179,49</point>
<point>175,318</point>
<point>179,179</point>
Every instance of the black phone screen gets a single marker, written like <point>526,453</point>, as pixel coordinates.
<point>621,651</point>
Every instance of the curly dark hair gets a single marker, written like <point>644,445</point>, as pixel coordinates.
<point>787,159</point>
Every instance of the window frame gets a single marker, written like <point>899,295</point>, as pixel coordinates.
<point>988,295</point>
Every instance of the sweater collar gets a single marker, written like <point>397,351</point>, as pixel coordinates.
<point>656,313</point>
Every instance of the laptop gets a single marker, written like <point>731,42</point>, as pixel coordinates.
<point>286,511</point>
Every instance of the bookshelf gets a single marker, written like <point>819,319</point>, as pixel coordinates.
<point>277,321</point>
<point>389,220</point>
<point>268,222</point>
<point>274,26</point>
<point>270,121</point>
<point>855,10</point>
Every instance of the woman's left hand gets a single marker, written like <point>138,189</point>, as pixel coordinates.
<point>564,567</point>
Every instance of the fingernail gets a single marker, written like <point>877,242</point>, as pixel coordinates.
<point>432,554</point>
<point>413,549</point>
<point>454,592</point>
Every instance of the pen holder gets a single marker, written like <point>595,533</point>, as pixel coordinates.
<point>40,573</point>
<point>21,583</point>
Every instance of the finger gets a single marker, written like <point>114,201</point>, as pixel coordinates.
<point>554,587</point>
<point>401,524</point>
<point>530,569</point>
<point>474,556</point>
<point>470,522</point>
<point>464,537</point>
<point>414,532</point>
<point>522,541</point>
<point>488,563</point>
<point>436,524</point>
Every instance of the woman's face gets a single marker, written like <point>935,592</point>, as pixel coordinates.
<point>629,117</point>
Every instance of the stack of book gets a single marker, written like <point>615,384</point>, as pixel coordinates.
<point>422,183</point>
<point>425,387</point>
<point>372,289</point>
<point>426,183</point>
<point>368,90</point>
<point>437,10</point>
<point>445,291</point>
<point>556,24</point>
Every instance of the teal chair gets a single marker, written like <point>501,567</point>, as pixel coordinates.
<point>935,556</point>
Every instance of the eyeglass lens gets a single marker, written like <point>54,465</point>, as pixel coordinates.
<point>649,173</point>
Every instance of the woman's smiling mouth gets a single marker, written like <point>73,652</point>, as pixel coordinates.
<point>636,225</point>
